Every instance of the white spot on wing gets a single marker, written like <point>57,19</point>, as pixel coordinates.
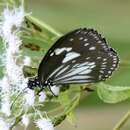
<point>86,44</point>
<point>87,58</point>
<point>104,63</point>
<point>114,61</point>
<point>104,59</point>
<point>60,50</point>
<point>85,39</point>
<point>106,76</point>
<point>114,65</point>
<point>98,57</point>
<point>92,48</point>
<point>81,38</point>
<point>109,72</point>
<point>99,41</point>
<point>73,61</point>
<point>52,54</point>
<point>101,71</point>
<point>71,39</point>
<point>70,56</point>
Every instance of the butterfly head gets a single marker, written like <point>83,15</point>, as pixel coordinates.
<point>33,82</point>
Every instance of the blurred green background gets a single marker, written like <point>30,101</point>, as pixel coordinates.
<point>112,19</point>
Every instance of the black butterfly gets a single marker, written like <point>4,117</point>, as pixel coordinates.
<point>81,56</point>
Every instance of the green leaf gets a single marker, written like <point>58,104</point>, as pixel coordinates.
<point>58,119</point>
<point>70,99</point>
<point>44,27</point>
<point>113,94</point>
<point>71,118</point>
<point>64,98</point>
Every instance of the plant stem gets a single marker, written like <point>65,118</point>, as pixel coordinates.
<point>17,120</point>
<point>44,26</point>
<point>122,122</point>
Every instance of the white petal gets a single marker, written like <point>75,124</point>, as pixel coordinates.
<point>29,97</point>
<point>25,120</point>
<point>42,96</point>
<point>44,124</point>
<point>27,60</point>
<point>4,125</point>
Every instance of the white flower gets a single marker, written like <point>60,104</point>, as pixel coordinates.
<point>11,18</point>
<point>29,97</point>
<point>5,100</point>
<point>4,125</point>
<point>27,60</point>
<point>10,23</point>
<point>42,96</point>
<point>24,84</point>
<point>44,124</point>
<point>5,106</point>
<point>5,85</point>
<point>13,42</point>
<point>25,120</point>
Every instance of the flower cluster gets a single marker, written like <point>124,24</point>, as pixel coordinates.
<point>13,81</point>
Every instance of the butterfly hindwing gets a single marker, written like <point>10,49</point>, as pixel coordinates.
<point>81,56</point>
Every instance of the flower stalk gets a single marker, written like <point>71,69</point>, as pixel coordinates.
<point>122,122</point>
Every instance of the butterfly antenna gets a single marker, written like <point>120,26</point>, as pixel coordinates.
<point>20,93</point>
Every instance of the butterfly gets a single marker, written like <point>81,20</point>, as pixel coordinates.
<point>79,57</point>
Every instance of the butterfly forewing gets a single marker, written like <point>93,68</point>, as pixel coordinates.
<point>81,56</point>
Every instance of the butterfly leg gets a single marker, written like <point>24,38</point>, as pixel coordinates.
<point>38,93</point>
<point>40,90</point>
<point>89,88</point>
